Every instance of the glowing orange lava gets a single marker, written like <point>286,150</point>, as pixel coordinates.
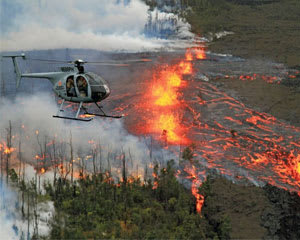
<point>163,102</point>
<point>167,125</point>
<point>196,183</point>
<point>200,53</point>
<point>186,67</point>
<point>164,89</point>
<point>188,55</point>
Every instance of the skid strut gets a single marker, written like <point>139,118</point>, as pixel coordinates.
<point>76,118</point>
<point>103,113</point>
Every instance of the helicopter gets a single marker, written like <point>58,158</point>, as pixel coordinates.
<point>76,86</point>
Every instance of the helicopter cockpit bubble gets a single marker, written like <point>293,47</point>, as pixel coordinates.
<point>99,86</point>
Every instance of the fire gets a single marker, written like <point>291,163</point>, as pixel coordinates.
<point>155,183</point>
<point>167,125</point>
<point>186,67</point>
<point>164,90</point>
<point>6,150</point>
<point>162,102</point>
<point>196,183</point>
<point>200,53</point>
<point>188,55</point>
<point>86,115</point>
<point>164,98</point>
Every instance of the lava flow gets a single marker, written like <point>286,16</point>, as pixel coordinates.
<point>162,104</point>
<point>180,108</point>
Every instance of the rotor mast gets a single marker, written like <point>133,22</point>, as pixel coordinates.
<point>79,65</point>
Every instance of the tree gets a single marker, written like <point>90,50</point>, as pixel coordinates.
<point>9,149</point>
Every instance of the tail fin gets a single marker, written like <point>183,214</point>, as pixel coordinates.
<point>16,67</point>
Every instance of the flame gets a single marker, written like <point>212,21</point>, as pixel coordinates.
<point>188,55</point>
<point>164,90</point>
<point>6,150</point>
<point>86,115</point>
<point>166,125</point>
<point>163,102</point>
<point>186,67</point>
<point>196,183</point>
<point>200,53</point>
<point>155,182</point>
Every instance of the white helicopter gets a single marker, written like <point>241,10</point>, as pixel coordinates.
<point>75,86</point>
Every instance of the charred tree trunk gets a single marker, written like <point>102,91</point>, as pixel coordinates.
<point>124,170</point>
<point>9,148</point>
<point>1,165</point>
<point>95,155</point>
<point>100,159</point>
<point>20,161</point>
<point>54,161</point>
<point>28,216</point>
<point>71,158</point>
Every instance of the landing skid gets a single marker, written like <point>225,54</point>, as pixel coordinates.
<point>77,118</point>
<point>72,118</point>
<point>103,113</point>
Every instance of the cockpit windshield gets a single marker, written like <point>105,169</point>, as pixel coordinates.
<point>94,79</point>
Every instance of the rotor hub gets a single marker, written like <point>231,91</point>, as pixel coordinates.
<point>79,65</point>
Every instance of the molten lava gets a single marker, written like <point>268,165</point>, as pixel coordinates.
<point>163,103</point>
<point>196,183</point>
<point>237,141</point>
<point>200,53</point>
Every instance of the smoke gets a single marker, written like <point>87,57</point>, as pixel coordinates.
<point>33,126</point>
<point>10,224</point>
<point>93,24</point>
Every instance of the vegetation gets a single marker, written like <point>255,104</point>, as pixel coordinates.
<point>264,29</point>
<point>96,207</point>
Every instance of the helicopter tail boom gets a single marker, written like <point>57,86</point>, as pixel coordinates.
<point>16,66</point>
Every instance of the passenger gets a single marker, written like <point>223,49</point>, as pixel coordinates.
<point>70,87</point>
<point>82,86</point>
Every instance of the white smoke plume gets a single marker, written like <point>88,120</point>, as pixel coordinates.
<point>32,123</point>
<point>6,229</point>
<point>93,24</point>
<point>12,226</point>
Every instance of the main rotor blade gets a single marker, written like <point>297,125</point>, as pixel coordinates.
<point>49,60</point>
<point>110,64</point>
<point>121,61</point>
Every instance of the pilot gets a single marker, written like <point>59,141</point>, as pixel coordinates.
<point>82,86</point>
<point>70,87</point>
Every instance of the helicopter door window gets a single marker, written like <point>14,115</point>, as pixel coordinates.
<point>82,86</point>
<point>71,87</point>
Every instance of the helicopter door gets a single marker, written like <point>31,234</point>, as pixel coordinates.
<point>82,87</point>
